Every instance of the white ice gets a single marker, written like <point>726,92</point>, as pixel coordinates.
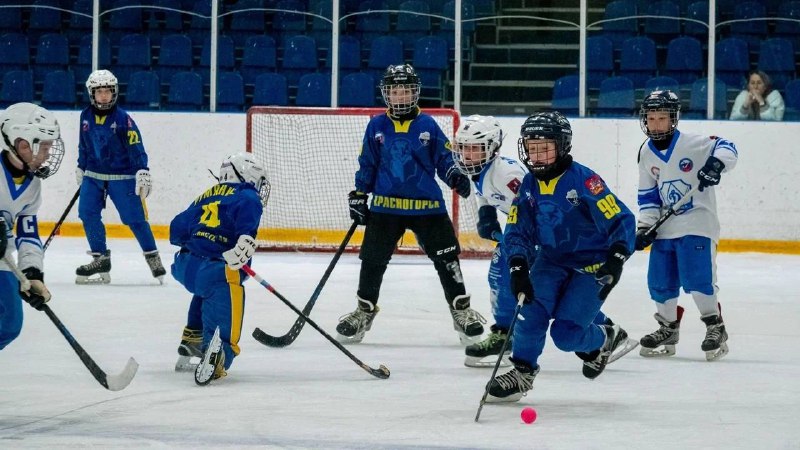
<point>310,395</point>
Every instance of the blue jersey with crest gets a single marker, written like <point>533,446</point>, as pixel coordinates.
<point>110,144</point>
<point>399,162</point>
<point>574,218</point>
<point>214,221</point>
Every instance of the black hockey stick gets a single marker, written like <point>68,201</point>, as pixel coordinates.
<point>672,210</point>
<point>291,335</point>
<point>113,382</point>
<point>381,372</point>
<point>520,301</point>
<point>61,220</point>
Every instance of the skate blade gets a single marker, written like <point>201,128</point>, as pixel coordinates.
<point>511,398</point>
<point>103,278</point>
<point>205,370</point>
<point>667,350</point>
<point>713,355</point>
<point>623,350</point>
<point>347,340</point>
<point>185,364</point>
<point>466,341</point>
<point>487,361</point>
<point>160,279</point>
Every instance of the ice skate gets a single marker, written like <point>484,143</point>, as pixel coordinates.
<point>512,385</point>
<point>156,268</point>
<point>354,325</point>
<point>212,367</point>
<point>190,347</point>
<point>100,266</point>
<point>485,352</point>
<point>662,341</point>
<point>466,321</point>
<point>715,344</point>
<point>615,341</point>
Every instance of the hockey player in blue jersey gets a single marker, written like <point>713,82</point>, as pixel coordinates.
<point>585,235</point>
<point>31,151</point>
<point>402,153</point>
<point>684,249</point>
<point>112,163</point>
<point>216,235</point>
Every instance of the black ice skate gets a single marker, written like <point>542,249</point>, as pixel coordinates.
<point>615,339</point>
<point>625,347</point>
<point>100,266</point>
<point>666,336</point>
<point>190,347</point>
<point>512,385</point>
<point>354,325</point>
<point>715,344</point>
<point>466,321</point>
<point>485,352</point>
<point>212,367</point>
<point>156,268</point>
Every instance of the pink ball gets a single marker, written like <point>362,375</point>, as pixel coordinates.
<point>528,414</point>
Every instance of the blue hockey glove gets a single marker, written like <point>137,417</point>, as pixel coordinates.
<point>609,273</point>
<point>488,226</point>
<point>359,211</point>
<point>710,173</point>
<point>520,278</point>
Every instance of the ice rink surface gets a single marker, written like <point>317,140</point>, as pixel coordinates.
<point>310,395</point>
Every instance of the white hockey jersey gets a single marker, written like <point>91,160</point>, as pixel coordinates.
<point>666,176</point>
<point>20,200</point>
<point>499,182</point>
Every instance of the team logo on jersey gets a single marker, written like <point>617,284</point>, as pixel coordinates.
<point>114,127</point>
<point>594,184</point>
<point>379,138</point>
<point>85,125</point>
<point>686,165</point>
<point>514,185</point>
<point>655,171</point>
<point>424,138</point>
<point>672,191</point>
<point>572,197</point>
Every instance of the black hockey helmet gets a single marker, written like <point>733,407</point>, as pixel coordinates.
<point>545,125</point>
<point>400,75</point>
<point>666,101</point>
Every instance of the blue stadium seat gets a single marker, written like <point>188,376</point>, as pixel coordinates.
<point>321,29</point>
<point>431,63</point>
<point>638,60</point>
<point>185,92</point>
<point>245,24</point>
<point>786,29</point>
<point>620,30</point>
<point>259,57</point>
<point>200,24</point>
<point>776,58</point>
<point>698,101</point>
<point>125,21</point>
<point>271,90</point>
<point>384,51</point>
<point>14,52</point>
<point>17,87</point>
<point>685,60</point>
<point>752,31</point>
<point>133,55</point>
<point>371,25</point>
<point>288,23</point>
<point>59,90</point>
<point>411,26</point>
<point>230,92</point>
<point>84,66</point>
<point>663,30</point>
<point>732,61</point>
<point>357,89</point>
<point>662,83</point>
<point>314,89</point>
<point>299,56</point>
<point>175,55</point>
<point>163,22</point>
<point>616,97</point>
<point>225,57</point>
<point>144,91</point>
<point>565,95</point>
<point>349,56</point>
<point>697,11</point>
<point>52,53</point>
<point>447,27</point>
<point>792,100</point>
<point>599,60</point>
<point>45,18</point>
<point>10,20</point>
<point>80,20</point>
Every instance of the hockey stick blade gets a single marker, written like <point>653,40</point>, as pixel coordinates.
<point>123,379</point>
<point>290,336</point>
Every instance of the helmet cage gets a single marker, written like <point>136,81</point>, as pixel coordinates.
<point>397,78</point>
<point>666,101</point>
<point>102,79</point>
<point>545,126</point>
<point>483,131</point>
<point>36,126</point>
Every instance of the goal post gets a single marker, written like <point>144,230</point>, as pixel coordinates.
<point>311,157</point>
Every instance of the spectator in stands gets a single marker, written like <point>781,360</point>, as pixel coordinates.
<point>758,101</point>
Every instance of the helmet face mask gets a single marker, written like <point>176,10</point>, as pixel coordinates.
<point>243,168</point>
<point>33,137</point>
<point>477,143</point>
<point>400,89</point>
<point>659,114</point>
<point>102,79</point>
<point>546,138</point>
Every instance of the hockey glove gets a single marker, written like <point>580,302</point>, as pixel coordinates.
<point>79,176</point>
<point>359,211</point>
<point>520,278</point>
<point>710,173</point>
<point>143,183</point>
<point>3,237</point>
<point>644,239</point>
<point>488,226</point>
<point>459,183</point>
<point>38,294</point>
<point>241,253</point>
<point>609,273</point>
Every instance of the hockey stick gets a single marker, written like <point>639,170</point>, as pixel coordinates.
<point>381,372</point>
<point>112,382</point>
<point>672,210</point>
<point>520,301</point>
<point>61,220</point>
<point>291,335</point>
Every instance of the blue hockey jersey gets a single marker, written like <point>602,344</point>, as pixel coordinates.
<point>214,221</point>
<point>399,162</point>
<point>574,218</point>
<point>110,144</point>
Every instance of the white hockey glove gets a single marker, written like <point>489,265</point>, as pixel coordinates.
<point>143,183</point>
<point>241,252</point>
<point>79,176</point>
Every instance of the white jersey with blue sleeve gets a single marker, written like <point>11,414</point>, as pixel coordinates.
<point>499,183</point>
<point>20,199</point>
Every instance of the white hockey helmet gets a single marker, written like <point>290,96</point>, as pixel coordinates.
<point>39,128</point>
<point>484,131</point>
<point>243,168</point>
<point>102,79</point>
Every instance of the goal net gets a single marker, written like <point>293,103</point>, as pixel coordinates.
<point>311,157</point>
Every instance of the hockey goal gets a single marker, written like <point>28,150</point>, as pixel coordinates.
<point>311,157</point>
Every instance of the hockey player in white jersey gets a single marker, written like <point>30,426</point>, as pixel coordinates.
<point>684,249</point>
<point>497,180</point>
<point>31,151</point>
